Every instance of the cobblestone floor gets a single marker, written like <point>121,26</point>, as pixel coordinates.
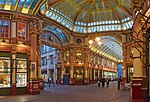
<point>89,93</point>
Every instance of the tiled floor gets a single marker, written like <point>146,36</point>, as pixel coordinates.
<point>89,93</point>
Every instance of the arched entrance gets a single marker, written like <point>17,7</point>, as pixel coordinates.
<point>53,41</point>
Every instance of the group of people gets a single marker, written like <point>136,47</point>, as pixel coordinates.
<point>121,82</point>
<point>53,82</point>
<point>103,80</point>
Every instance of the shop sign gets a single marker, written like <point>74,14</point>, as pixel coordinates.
<point>35,86</point>
<point>33,66</point>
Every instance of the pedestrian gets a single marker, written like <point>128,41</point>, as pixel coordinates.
<point>49,81</point>
<point>119,82</point>
<point>103,82</point>
<point>98,83</point>
<point>107,82</point>
<point>123,83</point>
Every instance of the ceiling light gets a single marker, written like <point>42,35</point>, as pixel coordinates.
<point>90,41</point>
<point>97,39</point>
<point>99,43</point>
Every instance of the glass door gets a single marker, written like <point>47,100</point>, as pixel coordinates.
<point>21,74</point>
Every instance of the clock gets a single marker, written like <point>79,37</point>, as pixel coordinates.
<point>78,41</point>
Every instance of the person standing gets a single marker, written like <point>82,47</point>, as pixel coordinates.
<point>123,83</point>
<point>103,82</point>
<point>98,83</point>
<point>49,81</point>
<point>107,82</point>
<point>119,82</point>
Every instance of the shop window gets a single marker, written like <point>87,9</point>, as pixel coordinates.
<point>4,25</point>
<point>78,73</point>
<point>21,74</point>
<point>78,55</point>
<point>21,31</point>
<point>4,72</point>
<point>44,61</point>
<point>67,55</point>
<point>51,59</point>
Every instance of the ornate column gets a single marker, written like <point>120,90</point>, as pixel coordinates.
<point>62,66</point>
<point>13,52</point>
<point>14,90</point>
<point>41,82</point>
<point>34,82</point>
<point>86,64</point>
<point>72,59</point>
<point>139,86</point>
<point>55,69</point>
<point>124,62</point>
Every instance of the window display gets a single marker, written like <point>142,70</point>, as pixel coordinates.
<point>21,75</point>
<point>21,31</point>
<point>78,73</point>
<point>4,72</point>
<point>21,79</point>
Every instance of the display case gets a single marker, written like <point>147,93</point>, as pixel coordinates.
<point>21,76</point>
<point>4,72</point>
<point>78,73</point>
<point>78,55</point>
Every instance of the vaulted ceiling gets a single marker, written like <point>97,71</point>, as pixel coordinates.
<point>86,16</point>
<point>82,16</point>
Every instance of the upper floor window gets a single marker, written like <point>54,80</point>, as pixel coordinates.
<point>44,61</point>
<point>4,26</point>
<point>21,31</point>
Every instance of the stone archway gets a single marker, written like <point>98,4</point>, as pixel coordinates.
<point>57,39</point>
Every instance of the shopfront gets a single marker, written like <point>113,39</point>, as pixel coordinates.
<point>78,75</point>
<point>5,73</point>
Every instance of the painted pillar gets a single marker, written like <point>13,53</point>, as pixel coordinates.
<point>124,62</point>
<point>14,90</point>
<point>94,73</point>
<point>72,59</point>
<point>139,93</point>
<point>98,73</point>
<point>48,66</point>
<point>62,66</point>
<point>39,59</point>
<point>41,82</point>
<point>34,81</point>
<point>137,76</point>
<point>14,41</point>
<point>55,69</point>
<point>33,73</point>
<point>86,65</point>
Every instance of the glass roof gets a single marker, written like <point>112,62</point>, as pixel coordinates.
<point>59,33</point>
<point>110,47</point>
<point>23,6</point>
<point>87,16</point>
